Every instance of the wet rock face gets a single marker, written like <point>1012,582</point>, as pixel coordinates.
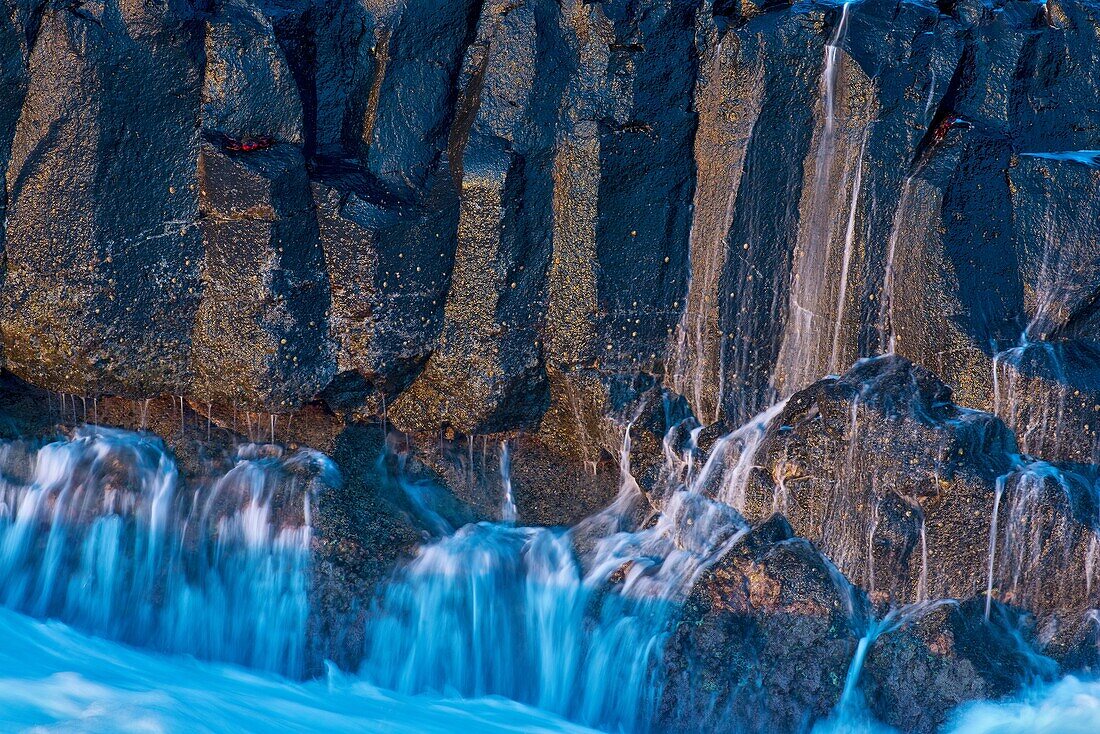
<point>765,639</point>
<point>860,463</point>
<point>536,223</point>
<point>470,205</point>
<point>264,280</point>
<point>916,498</point>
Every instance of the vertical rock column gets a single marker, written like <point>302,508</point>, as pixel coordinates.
<point>102,249</point>
<point>387,202</point>
<point>260,336</point>
<point>14,50</point>
<point>727,96</point>
<point>782,52</point>
<point>646,180</point>
<point>487,373</point>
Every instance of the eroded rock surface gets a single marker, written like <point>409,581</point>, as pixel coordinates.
<point>479,210</point>
<point>904,490</point>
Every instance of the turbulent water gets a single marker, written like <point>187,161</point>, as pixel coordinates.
<point>53,678</point>
<point>96,531</point>
<point>493,627</point>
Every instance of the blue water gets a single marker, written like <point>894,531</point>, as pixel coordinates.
<point>159,593</point>
<point>98,531</point>
<point>55,679</point>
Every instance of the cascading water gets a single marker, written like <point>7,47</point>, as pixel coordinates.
<point>725,474</point>
<point>1034,411</point>
<point>813,337</point>
<point>571,621</point>
<point>894,619</point>
<point>1032,525</point>
<point>508,505</point>
<point>888,337</point>
<point>834,364</point>
<point>94,531</point>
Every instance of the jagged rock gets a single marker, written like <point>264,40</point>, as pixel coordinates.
<point>915,676</point>
<point>894,482</point>
<point>389,265</point>
<point>381,80</point>
<point>577,429</point>
<point>582,152</point>
<point>580,98</point>
<point>773,63</point>
<point>259,338</point>
<point>883,445</point>
<point>102,251</point>
<point>765,639</point>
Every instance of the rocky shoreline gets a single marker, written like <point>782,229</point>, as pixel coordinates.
<point>867,500</point>
<point>626,249</point>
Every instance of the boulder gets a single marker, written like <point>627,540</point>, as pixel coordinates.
<point>895,482</point>
<point>915,676</point>
<point>765,638</point>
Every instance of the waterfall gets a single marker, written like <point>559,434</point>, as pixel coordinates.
<point>834,365</point>
<point>496,609</point>
<point>508,503</point>
<point>922,584</point>
<point>96,532</point>
<point>812,339</point>
<point>572,621</point>
<point>998,493</point>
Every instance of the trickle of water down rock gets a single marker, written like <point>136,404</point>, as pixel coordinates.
<point>691,601</point>
<point>639,366</point>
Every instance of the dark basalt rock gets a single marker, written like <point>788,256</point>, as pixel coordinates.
<point>765,638</point>
<point>248,85</point>
<point>915,676</point>
<point>509,195</point>
<point>899,486</point>
<point>259,338</point>
<point>102,249</point>
<point>767,641</point>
